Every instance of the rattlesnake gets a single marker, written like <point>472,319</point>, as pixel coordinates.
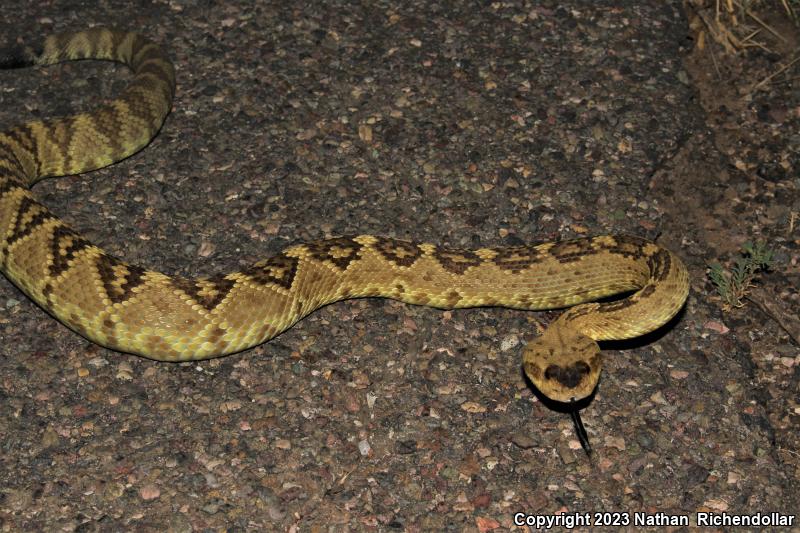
<point>131,309</point>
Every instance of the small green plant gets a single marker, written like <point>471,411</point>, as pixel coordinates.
<point>733,285</point>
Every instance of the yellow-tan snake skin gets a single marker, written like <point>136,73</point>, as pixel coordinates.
<point>131,309</point>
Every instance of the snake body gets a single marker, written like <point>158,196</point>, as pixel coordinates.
<point>132,309</point>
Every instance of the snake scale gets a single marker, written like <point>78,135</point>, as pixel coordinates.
<point>132,309</point>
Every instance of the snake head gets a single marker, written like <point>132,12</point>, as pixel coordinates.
<point>562,363</point>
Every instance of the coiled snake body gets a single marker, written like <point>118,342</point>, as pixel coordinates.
<point>131,309</point>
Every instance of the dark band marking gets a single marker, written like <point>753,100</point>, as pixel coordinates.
<point>208,292</point>
<point>118,278</point>
<point>340,251</point>
<point>74,322</point>
<point>660,265</point>
<point>105,127</point>
<point>516,258</point>
<point>109,329</point>
<point>47,291</point>
<point>8,184</point>
<point>401,253</point>
<point>24,139</point>
<point>37,215</point>
<point>570,251</point>
<point>64,246</point>
<point>452,298</point>
<point>624,245</point>
<point>215,336</point>
<point>9,159</point>
<point>279,270</point>
<point>456,261</point>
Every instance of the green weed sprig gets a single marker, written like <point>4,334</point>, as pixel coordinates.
<point>732,286</point>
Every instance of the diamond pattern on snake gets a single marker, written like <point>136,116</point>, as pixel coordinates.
<point>133,309</point>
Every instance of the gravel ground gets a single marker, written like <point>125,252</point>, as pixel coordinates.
<point>466,124</point>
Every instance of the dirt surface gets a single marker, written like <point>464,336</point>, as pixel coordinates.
<point>466,124</point>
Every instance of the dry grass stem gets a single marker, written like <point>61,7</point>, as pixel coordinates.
<point>763,83</point>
